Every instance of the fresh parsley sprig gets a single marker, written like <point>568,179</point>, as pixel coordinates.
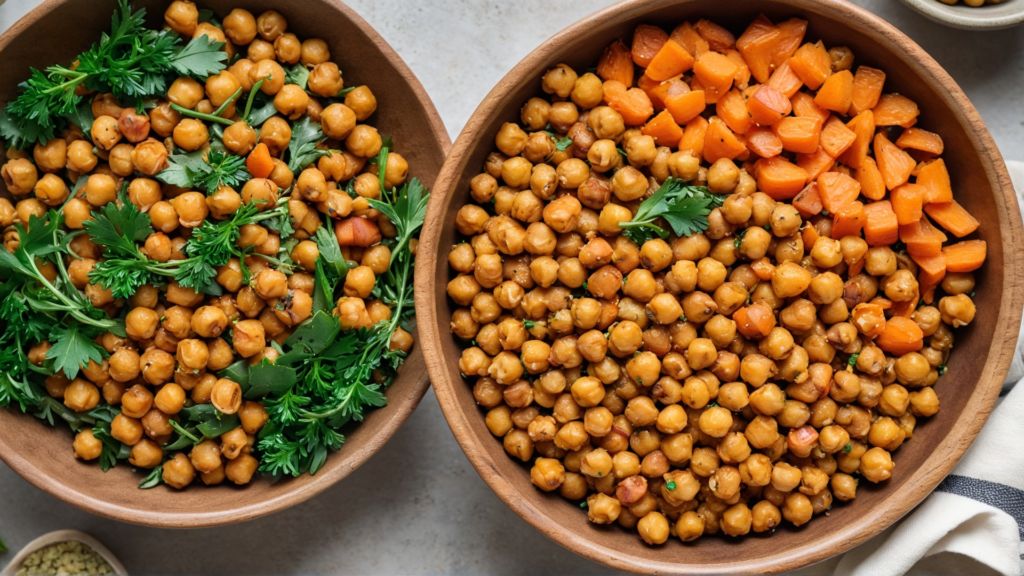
<point>684,208</point>
<point>204,170</point>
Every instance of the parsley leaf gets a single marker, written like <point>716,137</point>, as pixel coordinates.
<point>191,170</point>
<point>72,348</point>
<point>153,479</point>
<point>563,144</point>
<point>684,208</point>
<point>302,150</point>
<point>297,74</point>
<point>200,58</point>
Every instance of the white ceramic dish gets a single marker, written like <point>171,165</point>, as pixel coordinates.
<point>64,536</point>
<point>989,17</point>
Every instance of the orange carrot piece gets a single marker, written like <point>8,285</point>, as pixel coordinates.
<point>658,92</point>
<point>923,140</point>
<point>763,268</point>
<point>836,138</point>
<point>965,256</point>
<point>791,35</point>
<point>757,44</point>
<point>935,178</point>
<point>721,142</point>
<point>907,202</point>
<point>922,239</point>
<point>895,110</point>
<point>763,142</point>
<point>259,162</point>
<point>837,190</point>
<point>633,104</point>
<point>863,125</point>
<point>805,107</point>
<point>932,269</point>
<point>880,225</point>
<point>742,78</point>
<point>755,321</point>
<point>732,108</point>
<point>809,233</point>
<point>767,106</point>
<point>356,231</point>
<point>900,336</point>
<point>671,60</point>
<point>848,220</point>
<point>785,80</point>
<point>812,64</point>
<point>616,64</point>
<point>836,93</point>
<point>808,202</point>
<point>685,107</point>
<point>779,178</point>
<point>715,72</point>
<point>867,89</point>
<point>664,130</point>
<point>687,37</point>
<point>647,40</point>
<point>694,135</point>
<point>953,217</point>
<point>719,39</point>
<point>815,164</point>
<point>871,183</point>
<point>798,134</point>
<point>894,164</point>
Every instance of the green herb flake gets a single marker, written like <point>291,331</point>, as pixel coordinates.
<point>853,359</point>
<point>848,447</point>
<point>529,324</point>
<point>684,208</point>
<point>671,485</point>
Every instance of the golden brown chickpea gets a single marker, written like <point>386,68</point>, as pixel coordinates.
<point>120,160</point>
<point>51,156</point>
<point>141,323</point>
<point>124,364</point>
<point>105,133</point>
<point>191,134</point>
<point>226,396</point>
<point>338,121</point>
<point>288,48</point>
<point>957,311</point>
<point>20,176</point>
<point>51,190</point>
<point>240,27</point>
<point>270,25</point>
<point>880,261</point>
<point>547,474</point>
<point>241,469</point>
<point>876,465</point>
<point>81,157</point>
<point>654,528</point>
<point>249,337</point>
<point>261,51</point>
<point>81,395</point>
<point>146,454</point>
<point>87,446</point>
<point>182,16</point>
<point>185,92</point>
<point>205,456</point>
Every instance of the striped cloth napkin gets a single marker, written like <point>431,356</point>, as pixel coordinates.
<point>976,516</point>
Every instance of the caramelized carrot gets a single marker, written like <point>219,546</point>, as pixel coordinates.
<point>721,142</point>
<point>664,130</point>
<point>757,44</point>
<point>742,78</point>
<point>719,39</point>
<point>685,106</point>
<point>836,138</point>
<point>754,321</point>
<point>848,220</point>
<point>894,164</point>
<point>880,225</point>
<point>931,271</point>
<point>763,142</point>
<point>670,61</point>
<point>633,104</point>
<point>767,106</point>
<point>356,231</point>
<point>763,268</point>
<point>259,163</point>
<point>732,108</point>
<point>785,80</point>
<point>815,164</point>
<point>791,35</point>
<point>867,89</point>
<point>922,239</point>
<point>658,92</point>
<point>900,336</point>
<point>837,190</point>
<point>953,217</point>
<point>871,184</point>
<point>918,139</point>
<point>965,256</point>
<point>809,233</point>
<point>715,72</point>
<point>863,125</point>
<point>694,135</point>
<point>687,37</point>
<point>808,202</point>
<point>895,110</point>
<point>616,64</point>
<point>836,93</point>
<point>779,178</point>
<point>812,64</point>
<point>935,178</point>
<point>804,106</point>
<point>647,40</point>
<point>798,134</point>
<point>907,202</point>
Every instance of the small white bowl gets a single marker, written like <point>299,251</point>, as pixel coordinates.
<point>64,536</point>
<point>988,17</point>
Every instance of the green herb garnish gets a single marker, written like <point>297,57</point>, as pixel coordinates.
<point>192,170</point>
<point>684,208</point>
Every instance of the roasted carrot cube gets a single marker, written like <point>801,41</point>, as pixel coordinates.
<point>798,134</point>
<point>935,178</point>
<point>836,93</point>
<point>687,37</point>
<point>894,164</point>
<point>907,202</point>
<point>965,256</point>
<point>686,106</point>
<point>863,125</point>
<point>918,139</point>
<point>694,136</point>
<point>659,92</point>
<point>848,220</point>
<point>719,39</point>
<point>721,142</point>
<point>647,40</point>
<point>664,130</point>
<point>758,45</point>
<point>932,271</point>
<point>742,78</point>
<point>880,225</point>
<point>785,80</point>
<point>732,108</point>
<point>895,110</point>
<point>867,88</point>
<point>791,35</point>
<point>953,217</point>
<point>812,64</point>
<point>633,104</point>
<point>808,201</point>
<point>804,106</point>
<point>671,60</point>
<point>836,137</point>
<point>616,64</point>
<point>900,336</point>
<point>815,164</point>
<point>922,239</point>
<point>763,142</point>
<point>779,178</point>
<point>767,106</point>
<point>837,190</point>
<point>715,71</point>
<point>871,184</point>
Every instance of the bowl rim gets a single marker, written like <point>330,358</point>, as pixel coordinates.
<point>950,16</point>
<point>873,521</point>
<point>56,537</point>
<point>325,478</point>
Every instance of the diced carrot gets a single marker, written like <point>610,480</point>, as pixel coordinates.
<point>953,217</point>
<point>763,268</point>
<point>863,125</point>
<point>785,80</point>
<point>808,202</point>
<point>895,110</point>
<point>809,233</point>
<point>905,309</point>
<point>767,106</point>
<point>871,184</point>
<point>965,256</point>
<point>742,78</point>
<point>732,108</point>
<point>719,39</point>
<point>791,35</point>
<point>259,162</point>
<point>900,336</point>
<point>664,130</point>
<point>848,220</point>
<point>715,71</point>
<point>685,107</point>
<point>836,138</point>
<point>616,63</point>
<point>812,64</point>
<point>880,225</point>
<point>658,92</point>
<point>763,142</point>
<point>694,135</point>
<point>757,44</point>
<point>798,134</point>
<point>923,140</point>
<point>720,141</point>
<point>670,61</point>
<point>922,239</point>
<point>633,104</point>
<point>894,164</point>
<point>867,88</point>
<point>931,271</point>
<point>907,201</point>
<point>647,40</point>
<point>755,321</point>
<point>836,93</point>
<point>815,164</point>
<point>935,178</point>
<point>779,178</point>
<point>686,35</point>
<point>837,190</point>
<point>804,106</point>
<point>356,231</point>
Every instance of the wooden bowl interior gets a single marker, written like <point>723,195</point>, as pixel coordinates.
<point>967,392</point>
<point>55,33</point>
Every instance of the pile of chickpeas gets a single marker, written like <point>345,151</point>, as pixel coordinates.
<point>176,336</point>
<point>973,3</point>
<point>626,376</point>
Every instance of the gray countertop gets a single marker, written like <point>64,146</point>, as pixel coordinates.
<point>418,506</point>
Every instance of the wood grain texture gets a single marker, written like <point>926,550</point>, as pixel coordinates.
<point>56,32</point>
<point>968,391</point>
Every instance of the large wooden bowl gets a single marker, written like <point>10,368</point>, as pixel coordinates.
<point>979,361</point>
<point>56,32</point>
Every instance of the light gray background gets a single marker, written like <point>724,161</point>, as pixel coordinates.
<point>418,506</point>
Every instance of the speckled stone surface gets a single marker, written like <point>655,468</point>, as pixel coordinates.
<point>418,506</point>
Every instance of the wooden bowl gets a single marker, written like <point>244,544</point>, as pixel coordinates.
<point>988,17</point>
<point>64,536</point>
<point>56,32</point>
<point>968,391</point>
